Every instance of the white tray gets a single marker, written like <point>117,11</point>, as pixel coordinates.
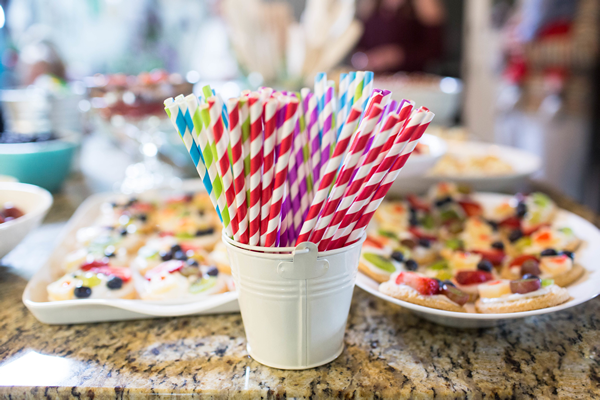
<point>96,310</point>
<point>585,289</point>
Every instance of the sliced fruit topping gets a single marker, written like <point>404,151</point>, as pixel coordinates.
<point>473,277</point>
<point>493,256</point>
<point>439,265</point>
<point>372,242</point>
<point>569,254</point>
<point>411,265</point>
<point>521,259</point>
<point>548,252</point>
<point>421,234</point>
<point>422,284</point>
<point>169,267</point>
<point>380,262</point>
<point>114,283</point>
<point>212,271</point>
<point>456,295</point>
<point>416,203</point>
<point>531,267</point>
<point>510,223</point>
<point>443,201</point>
<point>89,279</point>
<point>82,292</point>
<point>521,209</point>
<point>122,273</point>
<point>547,282</point>
<point>93,264</point>
<point>398,256</point>
<point>454,244</point>
<point>528,228</point>
<point>498,245</point>
<point>202,285</point>
<point>471,207</point>
<point>444,275</point>
<point>522,286</point>
<point>515,235</point>
<point>464,260</point>
<point>494,289</point>
<point>556,265</point>
<point>387,234</point>
<point>485,265</point>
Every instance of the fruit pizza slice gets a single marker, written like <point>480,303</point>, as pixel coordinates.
<point>548,264</point>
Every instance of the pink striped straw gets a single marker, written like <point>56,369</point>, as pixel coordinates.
<point>239,178</point>
<point>256,162</point>
<point>283,229</point>
<point>292,178</point>
<point>281,171</point>
<point>289,217</point>
<point>270,109</point>
<point>312,118</point>
<point>301,172</point>
<point>404,110</point>
<point>328,136</point>
<point>386,183</point>
<point>389,130</point>
<point>348,167</point>
<point>221,143</point>
<point>324,186</point>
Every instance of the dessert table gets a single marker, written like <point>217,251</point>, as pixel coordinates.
<point>389,352</point>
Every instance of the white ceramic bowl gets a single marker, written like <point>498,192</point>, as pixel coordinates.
<point>418,164</point>
<point>33,201</point>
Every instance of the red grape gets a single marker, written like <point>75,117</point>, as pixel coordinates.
<point>523,286</point>
<point>456,295</point>
<point>471,277</point>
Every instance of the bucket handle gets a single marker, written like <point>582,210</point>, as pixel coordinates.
<point>305,264</point>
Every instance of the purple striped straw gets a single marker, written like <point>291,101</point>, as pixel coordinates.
<point>315,141</point>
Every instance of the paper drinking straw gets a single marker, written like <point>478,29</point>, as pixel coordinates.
<point>341,105</point>
<point>359,81</point>
<point>221,142</point>
<point>387,182</point>
<point>350,91</point>
<point>178,121</point>
<point>270,109</point>
<point>256,163</point>
<point>328,132</point>
<point>330,174</point>
<point>348,167</point>
<point>315,140</point>
<point>290,218</point>
<point>237,159</point>
<point>301,169</point>
<point>245,121</point>
<point>281,171</point>
<point>283,224</point>
<point>294,179</point>
<point>381,138</point>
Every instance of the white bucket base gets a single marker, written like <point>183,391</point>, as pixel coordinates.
<point>257,359</point>
<point>294,301</point>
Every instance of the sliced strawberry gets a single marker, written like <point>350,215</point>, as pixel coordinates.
<point>93,264</point>
<point>163,234</point>
<point>531,229</point>
<point>494,256</point>
<point>185,247</point>
<point>510,222</point>
<point>471,207</point>
<point>372,242</point>
<point>168,266</point>
<point>421,234</point>
<point>422,284</point>
<point>417,203</point>
<point>122,273</point>
<point>521,259</point>
<point>143,207</point>
<point>473,277</point>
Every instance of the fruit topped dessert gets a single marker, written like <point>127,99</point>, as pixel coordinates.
<point>9,212</point>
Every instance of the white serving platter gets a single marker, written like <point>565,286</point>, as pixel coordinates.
<point>78,311</point>
<point>585,289</point>
<point>524,164</point>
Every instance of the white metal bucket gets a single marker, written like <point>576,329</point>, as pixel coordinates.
<point>294,301</point>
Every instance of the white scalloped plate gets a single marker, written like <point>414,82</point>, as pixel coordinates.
<point>585,289</point>
<point>96,310</point>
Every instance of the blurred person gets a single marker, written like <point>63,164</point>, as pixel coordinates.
<point>399,35</point>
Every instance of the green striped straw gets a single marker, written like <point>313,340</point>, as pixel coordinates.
<point>245,121</point>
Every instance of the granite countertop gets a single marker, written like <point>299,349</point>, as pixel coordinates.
<point>389,352</point>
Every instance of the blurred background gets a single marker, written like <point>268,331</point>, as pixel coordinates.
<point>513,83</point>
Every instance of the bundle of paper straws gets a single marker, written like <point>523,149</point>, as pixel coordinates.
<point>282,168</point>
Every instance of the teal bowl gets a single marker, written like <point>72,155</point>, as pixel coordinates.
<point>45,164</point>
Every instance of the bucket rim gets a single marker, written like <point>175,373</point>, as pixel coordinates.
<point>282,252</point>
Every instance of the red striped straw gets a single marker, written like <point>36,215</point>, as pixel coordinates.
<point>387,182</point>
<point>328,135</point>
<point>281,171</point>
<point>404,110</point>
<point>333,165</point>
<point>312,118</point>
<point>239,178</point>
<point>256,163</point>
<point>348,167</point>
<point>270,109</point>
<point>365,195</point>
<point>221,143</point>
<point>385,135</point>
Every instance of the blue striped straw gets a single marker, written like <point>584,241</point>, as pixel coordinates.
<point>341,106</point>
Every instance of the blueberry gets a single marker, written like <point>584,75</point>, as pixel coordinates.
<point>485,265</point>
<point>548,252</point>
<point>109,251</point>
<point>132,201</point>
<point>175,248</point>
<point>123,231</point>
<point>448,282</point>
<point>192,263</point>
<point>443,201</point>
<point>569,254</point>
<point>493,224</point>
<point>114,282</point>
<point>411,265</point>
<point>212,271</point>
<point>515,235</point>
<point>424,242</point>
<point>398,256</point>
<point>530,276</point>
<point>179,255</point>
<point>143,217</point>
<point>521,209</point>
<point>201,213</point>
<point>82,292</point>
<point>498,245</point>
<point>203,232</point>
<point>413,221</point>
<point>166,255</point>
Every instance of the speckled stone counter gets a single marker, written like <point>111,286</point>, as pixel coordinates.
<point>389,354</point>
